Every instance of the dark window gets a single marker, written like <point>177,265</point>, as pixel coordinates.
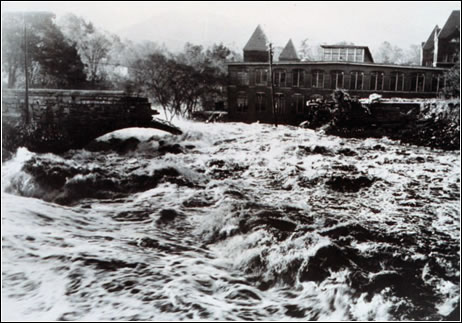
<point>242,78</point>
<point>418,82</point>
<point>297,78</point>
<point>261,101</point>
<point>298,103</point>
<point>455,57</point>
<point>261,76</point>
<point>376,81</point>
<point>356,80</point>
<point>336,80</point>
<point>317,79</point>
<point>397,81</point>
<point>242,104</point>
<point>438,82</point>
<point>279,103</point>
<point>239,78</point>
<point>280,78</point>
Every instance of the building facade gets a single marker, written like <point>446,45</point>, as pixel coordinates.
<point>442,46</point>
<point>296,83</point>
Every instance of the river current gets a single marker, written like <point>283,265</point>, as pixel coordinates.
<point>232,221</point>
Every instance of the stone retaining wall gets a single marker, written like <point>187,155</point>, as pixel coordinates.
<point>66,119</point>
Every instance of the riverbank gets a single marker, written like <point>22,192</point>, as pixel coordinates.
<point>434,123</point>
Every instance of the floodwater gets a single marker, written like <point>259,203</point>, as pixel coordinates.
<point>232,222</point>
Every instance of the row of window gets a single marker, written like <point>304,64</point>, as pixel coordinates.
<point>450,58</point>
<point>357,80</point>
<point>344,54</point>
<point>261,103</point>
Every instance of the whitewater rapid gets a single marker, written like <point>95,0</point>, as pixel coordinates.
<point>231,221</point>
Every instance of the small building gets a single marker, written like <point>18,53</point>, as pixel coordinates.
<point>297,83</point>
<point>347,53</point>
<point>442,46</point>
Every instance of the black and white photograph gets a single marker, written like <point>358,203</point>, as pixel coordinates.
<point>230,161</point>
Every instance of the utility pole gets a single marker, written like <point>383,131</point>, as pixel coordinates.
<point>26,75</point>
<point>270,59</point>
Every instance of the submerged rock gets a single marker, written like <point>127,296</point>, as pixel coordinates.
<point>316,150</point>
<point>168,215</point>
<point>59,181</point>
<point>327,258</point>
<point>167,148</point>
<point>349,184</point>
<point>121,146</point>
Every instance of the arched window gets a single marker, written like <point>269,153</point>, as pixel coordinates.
<point>418,82</point>
<point>279,103</point>
<point>376,81</point>
<point>242,103</point>
<point>397,81</point>
<point>279,76</point>
<point>438,82</point>
<point>356,80</point>
<point>261,76</point>
<point>317,79</point>
<point>239,77</point>
<point>336,80</point>
<point>297,77</point>
<point>298,102</point>
<point>260,102</point>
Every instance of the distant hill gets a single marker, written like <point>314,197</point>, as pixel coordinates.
<point>175,28</point>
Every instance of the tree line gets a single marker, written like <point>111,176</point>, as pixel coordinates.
<point>71,53</point>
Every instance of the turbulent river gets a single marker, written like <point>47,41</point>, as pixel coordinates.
<point>232,222</point>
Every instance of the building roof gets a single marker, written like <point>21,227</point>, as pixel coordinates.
<point>430,43</point>
<point>343,46</point>
<point>321,63</point>
<point>257,42</point>
<point>451,25</point>
<point>289,53</point>
<point>368,53</point>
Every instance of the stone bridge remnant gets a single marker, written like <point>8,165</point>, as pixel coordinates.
<point>69,119</point>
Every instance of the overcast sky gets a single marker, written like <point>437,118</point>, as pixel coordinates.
<point>364,23</point>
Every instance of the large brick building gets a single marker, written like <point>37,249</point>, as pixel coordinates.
<point>442,46</point>
<point>297,82</point>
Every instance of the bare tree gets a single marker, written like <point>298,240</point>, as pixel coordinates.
<point>412,55</point>
<point>389,54</point>
<point>93,45</point>
<point>305,51</point>
<point>151,76</point>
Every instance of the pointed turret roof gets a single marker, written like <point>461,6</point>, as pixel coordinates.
<point>257,42</point>
<point>451,26</point>
<point>289,53</point>
<point>430,43</point>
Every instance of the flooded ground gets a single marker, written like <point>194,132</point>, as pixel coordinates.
<point>232,222</point>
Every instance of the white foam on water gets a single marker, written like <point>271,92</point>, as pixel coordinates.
<point>255,214</point>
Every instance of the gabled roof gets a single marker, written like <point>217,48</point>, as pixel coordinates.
<point>430,43</point>
<point>257,42</point>
<point>289,53</point>
<point>451,25</point>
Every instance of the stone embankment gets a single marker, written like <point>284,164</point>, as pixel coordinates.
<point>432,123</point>
<point>59,120</point>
